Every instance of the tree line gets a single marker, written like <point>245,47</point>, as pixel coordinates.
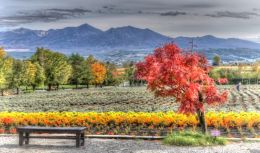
<point>52,69</point>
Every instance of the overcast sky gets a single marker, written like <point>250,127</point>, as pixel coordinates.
<point>222,18</point>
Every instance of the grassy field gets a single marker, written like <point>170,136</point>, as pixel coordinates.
<point>119,99</point>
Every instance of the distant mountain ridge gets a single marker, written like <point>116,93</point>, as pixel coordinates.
<point>209,42</point>
<point>87,37</point>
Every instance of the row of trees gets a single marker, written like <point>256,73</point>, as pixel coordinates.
<point>51,69</point>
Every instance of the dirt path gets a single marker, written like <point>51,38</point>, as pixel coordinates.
<point>9,144</point>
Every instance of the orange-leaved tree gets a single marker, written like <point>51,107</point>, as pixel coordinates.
<point>183,75</point>
<point>99,73</point>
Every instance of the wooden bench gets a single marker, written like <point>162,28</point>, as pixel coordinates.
<point>24,133</point>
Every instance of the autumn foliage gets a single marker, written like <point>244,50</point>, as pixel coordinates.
<point>171,72</point>
<point>222,80</point>
<point>2,52</point>
<point>99,73</point>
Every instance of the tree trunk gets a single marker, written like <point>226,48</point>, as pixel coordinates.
<point>201,117</point>
<point>17,91</point>
<point>76,85</point>
<point>202,121</point>
<point>87,85</point>
<point>34,87</point>
<point>49,87</point>
<point>58,86</point>
<point>2,92</point>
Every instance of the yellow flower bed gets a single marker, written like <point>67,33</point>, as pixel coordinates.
<point>156,119</point>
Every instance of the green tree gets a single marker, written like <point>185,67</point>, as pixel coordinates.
<point>29,74</point>
<point>2,83</point>
<point>87,75</point>
<point>56,66</point>
<point>5,70</point>
<point>129,72</point>
<point>216,60</point>
<point>112,76</point>
<point>2,75</point>
<point>91,59</point>
<point>39,76</point>
<point>77,63</point>
<point>16,79</point>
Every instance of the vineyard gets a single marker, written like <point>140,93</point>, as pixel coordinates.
<point>123,99</point>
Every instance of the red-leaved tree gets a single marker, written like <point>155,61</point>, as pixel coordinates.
<point>171,72</point>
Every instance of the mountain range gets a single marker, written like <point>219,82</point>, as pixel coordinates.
<point>87,37</point>
<point>82,38</point>
<point>122,43</point>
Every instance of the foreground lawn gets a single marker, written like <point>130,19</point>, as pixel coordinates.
<point>193,139</point>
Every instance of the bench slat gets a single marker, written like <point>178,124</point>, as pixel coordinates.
<point>51,129</point>
<point>54,137</point>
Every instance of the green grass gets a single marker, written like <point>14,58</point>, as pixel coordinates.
<point>189,138</point>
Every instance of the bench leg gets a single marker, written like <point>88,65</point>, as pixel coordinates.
<point>77,139</point>
<point>82,137</point>
<point>26,138</point>
<point>21,138</point>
